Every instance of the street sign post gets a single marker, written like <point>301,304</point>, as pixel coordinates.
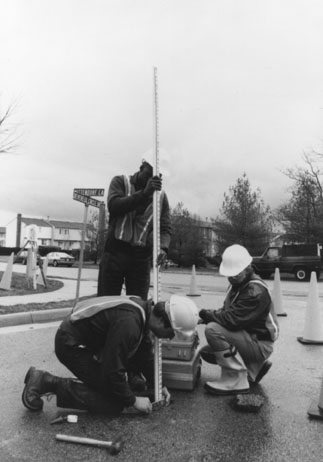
<point>84,196</point>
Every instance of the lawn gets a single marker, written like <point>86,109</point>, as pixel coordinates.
<point>21,285</point>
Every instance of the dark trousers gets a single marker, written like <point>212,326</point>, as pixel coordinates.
<point>87,392</point>
<point>130,266</point>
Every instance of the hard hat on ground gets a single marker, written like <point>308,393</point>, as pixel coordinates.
<point>183,314</point>
<point>235,259</point>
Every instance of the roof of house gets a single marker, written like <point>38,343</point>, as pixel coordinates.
<point>35,221</point>
<point>56,223</point>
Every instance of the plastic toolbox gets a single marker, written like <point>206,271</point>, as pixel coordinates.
<point>182,375</point>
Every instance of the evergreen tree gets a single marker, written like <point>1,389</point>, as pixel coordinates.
<point>187,246</point>
<point>244,219</point>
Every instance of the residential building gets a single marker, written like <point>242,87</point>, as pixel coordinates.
<point>64,234</point>
<point>207,235</point>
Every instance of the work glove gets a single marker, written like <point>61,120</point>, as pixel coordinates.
<point>153,184</point>
<point>166,396</point>
<point>206,316</point>
<point>143,404</point>
<point>161,257</point>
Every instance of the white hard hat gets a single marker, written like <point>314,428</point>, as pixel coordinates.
<point>183,314</point>
<point>235,259</point>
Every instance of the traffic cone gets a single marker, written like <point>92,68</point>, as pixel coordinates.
<point>313,331</point>
<point>193,289</point>
<point>316,408</point>
<point>5,283</point>
<point>277,295</point>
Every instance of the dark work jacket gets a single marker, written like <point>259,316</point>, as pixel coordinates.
<point>116,336</point>
<point>249,307</point>
<point>120,204</point>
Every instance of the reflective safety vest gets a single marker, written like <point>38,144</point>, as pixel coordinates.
<point>92,306</point>
<point>132,227</point>
<point>271,320</point>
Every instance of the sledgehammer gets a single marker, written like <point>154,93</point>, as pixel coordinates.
<point>113,446</point>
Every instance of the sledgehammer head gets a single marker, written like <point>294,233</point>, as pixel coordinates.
<point>116,446</point>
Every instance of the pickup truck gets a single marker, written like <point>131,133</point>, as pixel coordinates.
<point>297,259</point>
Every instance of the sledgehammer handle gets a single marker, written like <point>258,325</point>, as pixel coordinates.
<point>81,440</point>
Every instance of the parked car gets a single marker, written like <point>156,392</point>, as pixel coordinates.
<point>23,256</point>
<point>59,259</point>
<point>169,263</point>
<point>298,259</point>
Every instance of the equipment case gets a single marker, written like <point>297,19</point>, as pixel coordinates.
<point>179,349</point>
<point>182,375</point>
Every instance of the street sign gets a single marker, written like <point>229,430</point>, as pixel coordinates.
<point>90,192</point>
<point>84,195</point>
<point>87,200</point>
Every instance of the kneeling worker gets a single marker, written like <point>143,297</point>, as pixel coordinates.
<point>99,342</point>
<point>241,334</point>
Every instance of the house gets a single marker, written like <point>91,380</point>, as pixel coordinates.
<point>64,234</point>
<point>2,236</point>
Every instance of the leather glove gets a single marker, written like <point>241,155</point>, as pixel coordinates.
<point>153,184</point>
<point>161,257</point>
<point>206,316</point>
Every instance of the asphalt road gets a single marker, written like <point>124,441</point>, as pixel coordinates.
<point>176,279</point>
<point>196,427</point>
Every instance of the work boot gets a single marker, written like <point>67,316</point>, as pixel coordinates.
<point>233,374</point>
<point>263,371</point>
<point>208,354</point>
<point>38,383</point>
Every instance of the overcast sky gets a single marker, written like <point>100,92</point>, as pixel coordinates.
<point>240,89</point>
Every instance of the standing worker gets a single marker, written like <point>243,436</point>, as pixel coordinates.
<point>128,249</point>
<point>98,343</point>
<point>240,335</point>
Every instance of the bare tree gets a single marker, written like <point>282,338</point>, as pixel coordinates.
<point>8,130</point>
<point>302,214</point>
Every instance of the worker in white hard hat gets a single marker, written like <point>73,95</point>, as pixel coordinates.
<point>128,250</point>
<point>242,333</point>
<point>99,342</point>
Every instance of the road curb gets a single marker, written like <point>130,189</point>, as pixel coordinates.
<point>33,317</point>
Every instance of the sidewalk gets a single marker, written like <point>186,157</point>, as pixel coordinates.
<point>67,292</point>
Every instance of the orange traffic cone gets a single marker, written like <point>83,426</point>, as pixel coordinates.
<point>316,408</point>
<point>193,289</point>
<point>313,331</point>
<point>277,295</point>
<point>5,283</point>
